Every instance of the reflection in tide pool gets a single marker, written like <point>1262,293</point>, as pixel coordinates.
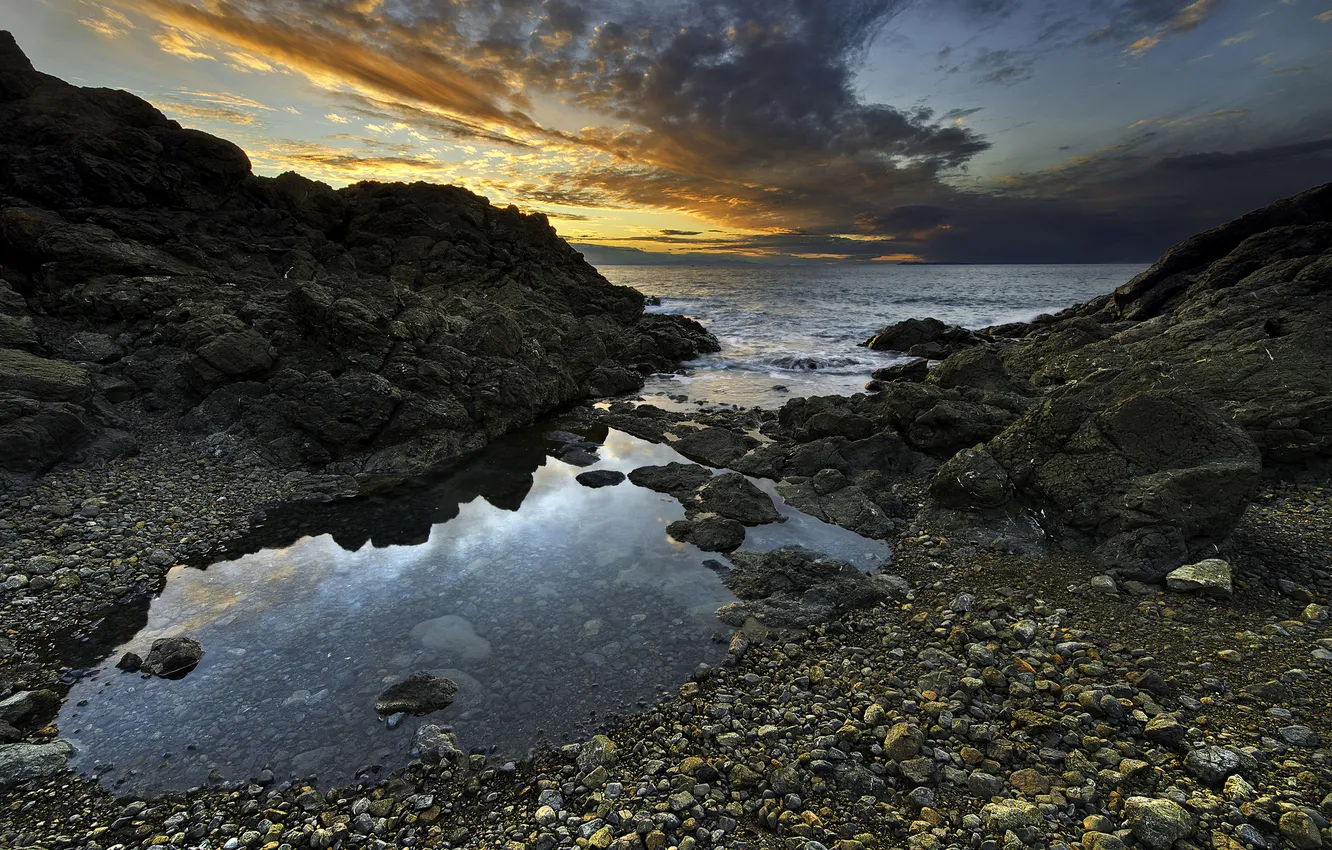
<point>562,606</point>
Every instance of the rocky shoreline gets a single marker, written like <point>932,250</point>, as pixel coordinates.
<point>1008,700</point>
<point>183,344</point>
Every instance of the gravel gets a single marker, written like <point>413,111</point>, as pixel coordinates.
<point>1003,702</point>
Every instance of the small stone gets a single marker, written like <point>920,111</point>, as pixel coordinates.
<point>129,662</point>
<point>984,785</point>
<point>1158,824</point>
<point>1165,729</point>
<point>1211,765</point>
<point>903,741</point>
<point>1101,841</point>
<point>1104,584</point>
<point>1210,577</point>
<point>1300,830</point>
<point>1010,814</point>
<point>1315,613</point>
<point>1298,736</point>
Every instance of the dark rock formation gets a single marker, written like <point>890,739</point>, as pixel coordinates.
<point>912,371</point>
<point>711,534</point>
<point>172,657</point>
<point>600,478</point>
<point>419,693</point>
<point>1134,426</point>
<point>795,588</point>
<point>714,446</point>
<point>733,496</point>
<point>926,338</point>
<point>867,509</point>
<point>673,478</point>
<point>1237,315</point>
<point>374,328</point>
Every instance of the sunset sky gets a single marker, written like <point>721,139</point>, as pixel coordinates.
<point>953,130</point>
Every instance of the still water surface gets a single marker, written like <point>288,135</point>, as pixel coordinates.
<point>550,603</point>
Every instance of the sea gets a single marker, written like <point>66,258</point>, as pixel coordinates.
<point>789,331</point>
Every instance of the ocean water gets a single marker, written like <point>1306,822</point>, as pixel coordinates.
<point>798,327</point>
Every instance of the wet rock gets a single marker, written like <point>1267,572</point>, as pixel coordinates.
<point>795,588</point>
<point>420,693</point>
<point>711,534</point>
<point>1158,824</point>
<point>733,496</point>
<point>927,338</point>
<point>672,479</point>
<point>912,371</point>
<point>20,763</point>
<point>716,447</point>
<point>971,480</point>
<point>172,657</point>
<point>129,662</point>
<point>600,478</point>
<point>1210,577</point>
<point>437,745</point>
<point>452,635</point>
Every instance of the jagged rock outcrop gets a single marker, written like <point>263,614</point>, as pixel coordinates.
<point>380,327</point>
<point>1134,426</point>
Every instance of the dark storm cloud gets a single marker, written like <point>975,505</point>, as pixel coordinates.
<point>747,113</point>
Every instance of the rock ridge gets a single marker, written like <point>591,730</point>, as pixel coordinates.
<point>144,269</point>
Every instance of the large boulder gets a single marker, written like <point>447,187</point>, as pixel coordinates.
<point>925,338</point>
<point>1143,476</point>
<point>172,657</point>
<point>21,763</point>
<point>1236,314</point>
<point>42,379</point>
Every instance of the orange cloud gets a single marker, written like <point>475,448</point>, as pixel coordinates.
<point>1188,18</point>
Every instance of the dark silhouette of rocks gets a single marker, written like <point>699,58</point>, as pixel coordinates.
<point>376,328</point>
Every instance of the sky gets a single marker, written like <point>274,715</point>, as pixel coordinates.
<point>755,130</point>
